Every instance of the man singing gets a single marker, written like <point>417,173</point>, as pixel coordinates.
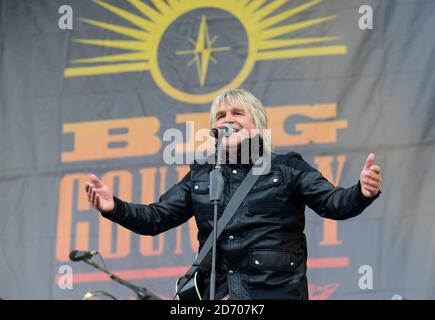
<point>261,253</point>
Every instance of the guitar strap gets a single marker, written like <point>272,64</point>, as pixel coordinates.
<point>234,203</point>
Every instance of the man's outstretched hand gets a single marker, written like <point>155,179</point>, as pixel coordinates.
<point>99,195</point>
<point>370,177</point>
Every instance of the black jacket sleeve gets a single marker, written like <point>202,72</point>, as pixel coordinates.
<point>323,197</point>
<point>173,208</point>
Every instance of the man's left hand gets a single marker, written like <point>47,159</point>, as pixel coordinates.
<point>370,177</point>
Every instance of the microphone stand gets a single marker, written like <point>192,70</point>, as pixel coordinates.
<point>216,192</point>
<point>141,293</point>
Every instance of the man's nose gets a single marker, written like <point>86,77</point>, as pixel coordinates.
<point>229,118</point>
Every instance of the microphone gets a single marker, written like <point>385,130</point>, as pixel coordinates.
<point>223,131</point>
<point>77,255</point>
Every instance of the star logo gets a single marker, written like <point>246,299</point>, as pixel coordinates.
<point>203,52</point>
<point>149,40</point>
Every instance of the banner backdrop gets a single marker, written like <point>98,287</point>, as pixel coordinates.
<point>92,87</point>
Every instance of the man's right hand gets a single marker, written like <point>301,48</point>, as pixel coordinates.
<point>99,195</point>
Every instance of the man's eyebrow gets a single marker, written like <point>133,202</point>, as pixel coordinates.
<point>238,109</point>
<point>233,109</point>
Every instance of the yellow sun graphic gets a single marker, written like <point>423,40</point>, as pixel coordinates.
<point>263,22</point>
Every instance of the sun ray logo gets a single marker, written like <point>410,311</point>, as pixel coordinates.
<point>193,49</point>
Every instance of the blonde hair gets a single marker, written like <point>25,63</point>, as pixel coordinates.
<point>245,98</point>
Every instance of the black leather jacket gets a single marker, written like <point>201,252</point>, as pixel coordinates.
<point>262,252</point>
